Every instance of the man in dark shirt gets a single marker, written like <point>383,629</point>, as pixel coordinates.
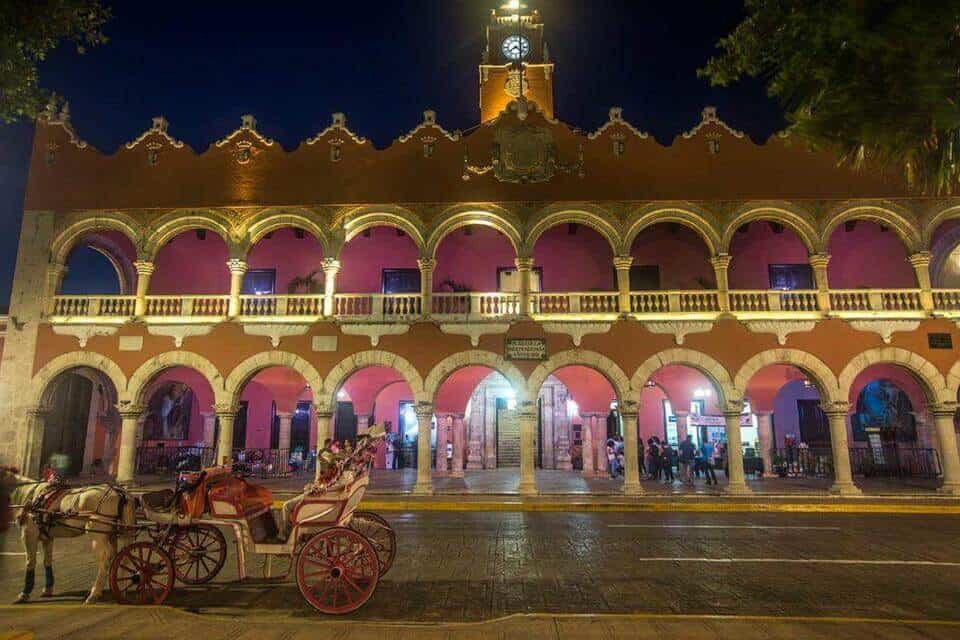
<point>688,452</point>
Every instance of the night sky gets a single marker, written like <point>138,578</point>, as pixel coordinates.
<point>292,64</point>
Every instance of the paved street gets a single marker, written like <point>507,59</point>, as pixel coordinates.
<point>475,567</point>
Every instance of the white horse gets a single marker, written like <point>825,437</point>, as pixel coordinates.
<point>45,513</point>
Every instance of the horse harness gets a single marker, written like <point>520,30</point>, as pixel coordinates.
<point>40,508</point>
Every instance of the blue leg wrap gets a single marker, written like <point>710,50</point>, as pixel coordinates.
<point>28,580</point>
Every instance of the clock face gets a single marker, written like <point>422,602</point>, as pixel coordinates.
<point>515,47</point>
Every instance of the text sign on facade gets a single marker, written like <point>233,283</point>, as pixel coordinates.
<point>940,340</point>
<point>526,349</point>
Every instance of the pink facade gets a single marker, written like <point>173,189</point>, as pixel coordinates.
<point>363,259</point>
<point>756,247</point>
<point>290,256</point>
<point>681,254</point>
<point>868,256</point>
<point>581,261</point>
<point>189,265</point>
<point>472,260</point>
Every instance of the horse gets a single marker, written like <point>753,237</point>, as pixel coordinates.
<point>48,510</point>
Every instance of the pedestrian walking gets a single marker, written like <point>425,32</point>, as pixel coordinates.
<point>666,463</point>
<point>687,454</point>
<point>706,453</point>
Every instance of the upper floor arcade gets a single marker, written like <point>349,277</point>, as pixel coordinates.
<point>480,262</point>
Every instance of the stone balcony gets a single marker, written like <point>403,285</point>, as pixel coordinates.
<point>906,304</point>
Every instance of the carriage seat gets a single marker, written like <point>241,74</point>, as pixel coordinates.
<point>159,500</point>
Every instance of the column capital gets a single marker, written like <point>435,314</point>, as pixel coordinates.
<point>144,267</point>
<point>837,409</point>
<point>721,260</point>
<point>237,266</point>
<point>130,411</point>
<point>524,264</point>
<point>426,264</point>
<point>944,410</point>
<point>424,410</point>
<point>330,264</point>
<point>622,263</point>
<point>224,409</point>
<point>285,415</point>
<point>920,259</point>
<point>629,415</point>
<point>730,414</point>
<point>819,260</point>
<point>323,413</point>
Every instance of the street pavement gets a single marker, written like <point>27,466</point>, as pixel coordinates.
<point>609,575</point>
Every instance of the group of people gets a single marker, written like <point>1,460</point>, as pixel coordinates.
<point>660,458</point>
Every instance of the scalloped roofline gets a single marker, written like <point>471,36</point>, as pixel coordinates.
<point>709,116</point>
<point>62,119</point>
<point>615,117</point>
<point>247,123</point>
<point>158,127</point>
<point>429,122</point>
<point>338,123</point>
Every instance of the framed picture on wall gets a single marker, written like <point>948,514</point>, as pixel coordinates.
<point>168,413</point>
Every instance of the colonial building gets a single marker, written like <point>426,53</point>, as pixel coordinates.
<point>522,291</point>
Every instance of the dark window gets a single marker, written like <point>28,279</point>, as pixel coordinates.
<point>274,427</point>
<point>260,282</point>
<point>401,281</point>
<point>644,277</point>
<point>791,276</point>
<point>300,428</point>
<point>345,424</point>
<point>240,427</point>
<point>812,421</point>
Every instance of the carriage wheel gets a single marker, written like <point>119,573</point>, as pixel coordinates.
<point>380,534</point>
<point>142,573</point>
<point>199,553</point>
<point>337,571</point>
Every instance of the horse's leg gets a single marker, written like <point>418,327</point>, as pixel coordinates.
<point>101,549</point>
<point>47,547</point>
<point>29,536</point>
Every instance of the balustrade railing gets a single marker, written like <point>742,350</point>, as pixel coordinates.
<point>377,306</point>
<point>764,300</point>
<point>476,305</point>
<point>890,300</point>
<point>946,299</point>
<point>284,305</point>
<point>271,463</point>
<point>192,305</point>
<point>94,306</point>
<point>601,302</point>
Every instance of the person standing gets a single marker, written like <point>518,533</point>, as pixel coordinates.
<point>641,453</point>
<point>706,453</point>
<point>666,462</point>
<point>654,458</point>
<point>687,453</point>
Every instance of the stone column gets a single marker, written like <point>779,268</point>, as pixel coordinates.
<point>92,418</point>
<point>631,453</point>
<point>457,468</point>
<point>331,267</point>
<point>209,427</point>
<point>765,436</point>
<point>443,434</point>
<point>737,483</point>
<point>36,420</point>
<point>226,415</point>
<point>842,476</point>
<point>127,455</point>
<point>586,437</point>
<point>622,264</point>
<point>285,419</point>
<point>144,271</point>
<point>528,448</point>
<point>324,431</point>
<point>947,437</point>
<point>720,265</point>
<point>424,485</point>
<point>819,262</point>
<point>921,264</point>
<point>427,265</point>
<point>599,428</point>
<point>237,268</point>
<point>524,269</point>
<point>52,278</point>
<point>548,432</point>
<point>490,443</point>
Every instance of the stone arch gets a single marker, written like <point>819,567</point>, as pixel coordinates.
<point>597,219</point>
<point>145,374</point>
<point>800,223</point>
<point>42,379</point>
<point>582,357</point>
<point>709,367</point>
<point>172,225</point>
<point>372,358</point>
<point>244,371</point>
<point>811,365</point>
<point>930,224</point>
<point>359,220</point>
<point>694,221</point>
<point>268,221</point>
<point>886,215</point>
<point>443,369</point>
<point>931,380</point>
<point>107,221</point>
<point>953,380</point>
<point>472,216</point>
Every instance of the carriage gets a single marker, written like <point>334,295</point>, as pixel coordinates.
<point>336,553</point>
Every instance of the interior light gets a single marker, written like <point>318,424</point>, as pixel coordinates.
<point>341,394</point>
<point>572,408</point>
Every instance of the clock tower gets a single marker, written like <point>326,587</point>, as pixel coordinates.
<point>515,56</point>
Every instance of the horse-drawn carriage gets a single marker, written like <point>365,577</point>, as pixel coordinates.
<point>336,553</point>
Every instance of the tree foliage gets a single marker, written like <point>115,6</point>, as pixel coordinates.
<point>29,31</point>
<point>874,80</point>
